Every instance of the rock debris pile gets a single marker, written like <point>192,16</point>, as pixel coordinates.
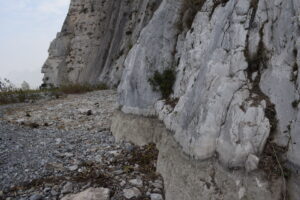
<point>73,157</point>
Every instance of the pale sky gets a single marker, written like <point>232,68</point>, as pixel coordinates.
<point>26,29</point>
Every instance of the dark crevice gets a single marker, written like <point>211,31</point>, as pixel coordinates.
<point>256,64</point>
<point>272,158</point>
<point>253,5</point>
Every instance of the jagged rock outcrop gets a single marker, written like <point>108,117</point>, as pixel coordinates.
<point>235,98</point>
<point>225,77</point>
<point>237,79</point>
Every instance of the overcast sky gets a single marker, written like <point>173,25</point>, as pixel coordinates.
<point>26,29</point>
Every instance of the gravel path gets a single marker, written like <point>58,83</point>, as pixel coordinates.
<point>47,162</point>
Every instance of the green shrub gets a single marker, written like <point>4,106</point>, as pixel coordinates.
<point>163,82</point>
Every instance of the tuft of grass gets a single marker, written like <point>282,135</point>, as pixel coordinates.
<point>163,82</point>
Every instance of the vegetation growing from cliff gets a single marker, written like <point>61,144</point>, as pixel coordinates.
<point>163,82</point>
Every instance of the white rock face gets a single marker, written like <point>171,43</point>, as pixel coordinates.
<point>153,51</point>
<point>237,74</point>
<point>237,80</point>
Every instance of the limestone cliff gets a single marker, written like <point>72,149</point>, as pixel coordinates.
<point>235,100</point>
<point>95,39</point>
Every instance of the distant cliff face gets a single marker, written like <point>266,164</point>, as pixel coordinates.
<point>95,39</point>
<point>236,62</point>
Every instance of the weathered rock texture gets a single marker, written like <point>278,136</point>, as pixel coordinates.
<point>186,178</point>
<point>95,39</point>
<point>229,62</point>
<point>236,64</point>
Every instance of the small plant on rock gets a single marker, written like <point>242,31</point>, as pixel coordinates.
<point>163,82</point>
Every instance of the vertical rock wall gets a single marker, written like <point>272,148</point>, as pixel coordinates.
<point>95,39</point>
<point>237,79</point>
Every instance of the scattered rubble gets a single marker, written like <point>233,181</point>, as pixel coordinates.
<point>91,112</point>
<point>80,161</point>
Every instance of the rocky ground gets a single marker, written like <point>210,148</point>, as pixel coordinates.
<point>56,148</point>
<point>88,112</point>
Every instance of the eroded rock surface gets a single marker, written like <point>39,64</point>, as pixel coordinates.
<point>235,99</point>
<point>227,59</point>
<point>95,39</point>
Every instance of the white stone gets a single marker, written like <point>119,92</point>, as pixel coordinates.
<point>122,183</point>
<point>90,194</point>
<point>136,182</point>
<point>73,167</point>
<point>156,196</point>
<point>251,163</point>
<point>242,192</point>
<point>132,192</point>
<point>58,140</point>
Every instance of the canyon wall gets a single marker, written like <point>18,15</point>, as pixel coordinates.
<point>94,41</point>
<point>235,101</point>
